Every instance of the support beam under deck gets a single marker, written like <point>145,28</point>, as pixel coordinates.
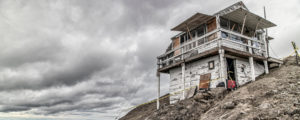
<point>183,79</point>
<point>158,89</point>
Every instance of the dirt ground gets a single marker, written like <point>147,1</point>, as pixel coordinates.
<point>275,96</point>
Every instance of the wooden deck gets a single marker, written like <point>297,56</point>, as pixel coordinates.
<point>213,52</point>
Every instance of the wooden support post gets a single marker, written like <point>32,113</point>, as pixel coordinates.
<point>181,54</point>
<point>222,65</point>
<point>218,27</point>
<point>266,66</point>
<point>256,28</point>
<point>265,54</point>
<point>158,89</point>
<point>189,32</point>
<point>252,68</point>
<point>251,62</point>
<point>218,22</point>
<point>244,24</point>
<point>183,79</point>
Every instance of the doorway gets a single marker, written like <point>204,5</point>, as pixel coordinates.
<point>231,70</point>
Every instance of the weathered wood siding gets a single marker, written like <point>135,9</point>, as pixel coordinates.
<point>195,69</point>
<point>192,76</point>
<point>244,72</point>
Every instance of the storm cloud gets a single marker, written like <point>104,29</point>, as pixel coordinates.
<point>96,58</point>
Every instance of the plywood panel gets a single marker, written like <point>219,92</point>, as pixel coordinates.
<point>176,43</point>
<point>211,25</point>
<point>204,81</point>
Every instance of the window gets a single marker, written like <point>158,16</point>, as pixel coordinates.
<point>193,33</point>
<point>200,30</point>
<point>188,37</point>
<point>259,37</point>
<point>234,26</point>
<point>181,39</point>
<point>224,23</point>
<point>211,65</point>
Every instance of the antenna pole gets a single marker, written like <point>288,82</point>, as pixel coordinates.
<point>267,37</point>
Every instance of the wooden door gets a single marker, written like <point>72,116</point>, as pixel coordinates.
<point>204,81</point>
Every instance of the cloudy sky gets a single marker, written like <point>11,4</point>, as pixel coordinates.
<point>93,59</point>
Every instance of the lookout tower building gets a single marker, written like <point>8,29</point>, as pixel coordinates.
<point>231,44</point>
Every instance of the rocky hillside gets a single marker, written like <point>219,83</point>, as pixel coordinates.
<point>274,96</point>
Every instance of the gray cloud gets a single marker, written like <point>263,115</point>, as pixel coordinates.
<point>94,58</point>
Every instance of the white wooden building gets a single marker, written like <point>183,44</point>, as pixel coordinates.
<point>210,49</point>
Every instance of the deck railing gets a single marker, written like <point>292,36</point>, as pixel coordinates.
<point>213,39</point>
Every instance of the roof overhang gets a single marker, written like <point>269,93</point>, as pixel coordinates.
<point>251,19</point>
<point>192,22</point>
<point>270,38</point>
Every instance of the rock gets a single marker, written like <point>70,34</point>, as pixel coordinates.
<point>204,107</point>
<point>264,106</point>
<point>292,112</point>
<point>189,106</point>
<point>183,111</point>
<point>179,107</point>
<point>296,104</point>
<point>198,97</point>
<point>219,92</point>
<point>229,105</point>
<point>163,118</point>
<point>295,111</point>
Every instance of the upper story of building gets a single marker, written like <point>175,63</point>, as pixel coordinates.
<point>234,28</point>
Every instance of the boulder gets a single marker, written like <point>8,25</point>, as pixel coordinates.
<point>264,106</point>
<point>228,105</point>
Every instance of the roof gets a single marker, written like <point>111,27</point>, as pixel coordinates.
<point>231,8</point>
<point>251,19</point>
<point>192,22</point>
<point>235,12</point>
<point>270,38</point>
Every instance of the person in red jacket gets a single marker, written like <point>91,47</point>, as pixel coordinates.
<point>231,84</point>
